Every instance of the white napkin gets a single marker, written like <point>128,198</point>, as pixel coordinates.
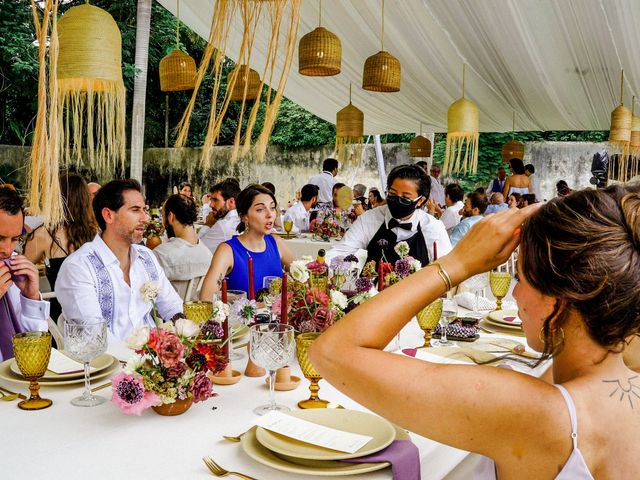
<point>468,300</point>
<point>59,363</point>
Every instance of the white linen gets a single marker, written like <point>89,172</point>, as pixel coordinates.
<point>325,182</point>
<point>367,224</point>
<point>77,288</point>
<point>32,314</point>
<point>437,191</point>
<point>299,216</point>
<point>182,260</point>
<point>222,230</point>
<point>450,217</point>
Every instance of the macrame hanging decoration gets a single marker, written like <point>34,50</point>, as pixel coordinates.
<point>513,148</point>
<point>90,89</point>
<point>420,146</point>
<point>45,199</point>
<point>319,52</point>
<point>620,138</point>
<point>381,71</point>
<point>349,133</point>
<point>461,153</point>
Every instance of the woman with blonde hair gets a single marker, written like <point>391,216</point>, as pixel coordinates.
<point>578,298</point>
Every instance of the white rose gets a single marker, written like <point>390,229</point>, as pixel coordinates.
<point>167,327</point>
<point>299,271</point>
<point>221,311</point>
<point>134,363</point>
<point>150,291</point>
<point>186,328</point>
<point>339,299</point>
<point>416,265</point>
<point>137,338</point>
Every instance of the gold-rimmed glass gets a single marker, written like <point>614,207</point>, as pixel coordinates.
<point>303,342</point>
<point>32,351</point>
<point>198,312</point>
<point>428,318</point>
<point>499,283</point>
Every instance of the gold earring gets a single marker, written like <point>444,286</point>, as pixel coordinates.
<point>555,344</point>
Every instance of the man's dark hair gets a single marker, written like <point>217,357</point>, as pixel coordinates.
<point>530,168</point>
<point>308,192</point>
<point>229,188</point>
<point>411,172</point>
<point>10,201</point>
<point>455,192</point>
<point>270,186</point>
<point>517,166</point>
<point>111,196</point>
<point>329,165</point>
<point>183,207</point>
<point>337,186</point>
<point>479,201</point>
<point>530,198</point>
<point>423,165</point>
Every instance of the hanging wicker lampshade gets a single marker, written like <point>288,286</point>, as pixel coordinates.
<point>512,149</point>
<point>381,73</point>
<point>319,54</point>
<point>420,146</point>
<point>177,72</point>
<point>251,79</point>
<point>620,138</point>
<point>462,134</point>
<point>620,132</point>
<point>349,132</point>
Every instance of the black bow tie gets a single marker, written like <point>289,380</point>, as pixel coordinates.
<point>393,223</point>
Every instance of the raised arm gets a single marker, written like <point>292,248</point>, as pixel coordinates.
<point>221,265</point>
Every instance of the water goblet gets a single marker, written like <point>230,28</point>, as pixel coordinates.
<point>449,314</point>
<point>288,226</point>
<point>32,351</point>
<point>428,318</point>
<point>499,282</point>
<point>272,346</point>
<point>84,341</point>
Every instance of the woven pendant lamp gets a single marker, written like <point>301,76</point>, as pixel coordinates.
<point>420,146</point>
<point>247,79</point>
<point>90,89</point>
<point>349,133</point>
<point>634,144</point>
<point>461,153</point>
<point>381,71</point>
<point>513,148</point>
<point>319,52</point>
<point>178,69</point>
<point>620,138</point>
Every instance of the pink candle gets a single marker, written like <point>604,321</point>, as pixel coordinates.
<point>380,277</point>
<point>252,291</point>
<point>283,301</point>
<point>225,323</point>
<point>435,251</point>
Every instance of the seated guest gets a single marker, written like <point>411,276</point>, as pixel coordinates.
<point>183,257</point>
<point>496,204</point>
<point>563,188</point>
<point>299,211</point>
<point>514,200</point>
<point>277,224</point>
<point>576,298</point>
<point>223,209</point>
<point>375,199</point>
<point>358,193</point>
<point>526,200</point>
<point>474,207</point>
<point>256,207</point>
<point>185,189</point>
<point>334,196</point>
<point>380,229</point>
<point>103,278</point>
<point>453,195</point>
<point>21,307</point>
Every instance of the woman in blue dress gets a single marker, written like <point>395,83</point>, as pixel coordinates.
<point>257,207</point>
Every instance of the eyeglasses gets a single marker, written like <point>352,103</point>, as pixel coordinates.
<point>404,201</point>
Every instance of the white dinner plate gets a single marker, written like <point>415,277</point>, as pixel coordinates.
<point>7,374</point>
<point>98,364</point>
<point>497,316</point>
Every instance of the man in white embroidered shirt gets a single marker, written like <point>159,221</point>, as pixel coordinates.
<point>380,229</point>
<point>326,180</point>
<point>103,278</point>
<point>299,212</point>
<point>21,308</point>
<point>223,207</point>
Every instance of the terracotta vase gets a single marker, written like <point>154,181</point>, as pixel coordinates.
<point>176,408</point>
<point>153,242</point>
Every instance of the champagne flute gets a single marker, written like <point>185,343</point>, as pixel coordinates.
<point>84,341</point>
<point>449,314</point>
<point>272,347</point>
<point>32,351</point>
<point>499,283</point>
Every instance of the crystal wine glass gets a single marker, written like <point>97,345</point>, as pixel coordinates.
<point>84,341</point>
<point>476,284</point>
<point>449,314</point>
<point>272,347</point>
<point>32,351</point>
<point>499,282</point>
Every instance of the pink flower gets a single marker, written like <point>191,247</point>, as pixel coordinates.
<point>176,370</point>
<point>201,388</point>
<point>129,394</point>
<point>170,349</point>
<point>323,318</point>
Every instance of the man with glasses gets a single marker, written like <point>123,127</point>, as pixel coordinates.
<point>437,190</point>
<point>401,220</point>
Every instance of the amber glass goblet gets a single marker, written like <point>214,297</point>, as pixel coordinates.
<point>499,283</point>
<point>32,351</point>
<point>288,226</point>
<point>428,318</point>
<point>303,342</point>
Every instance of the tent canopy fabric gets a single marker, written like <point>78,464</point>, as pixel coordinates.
<point>556,63</point>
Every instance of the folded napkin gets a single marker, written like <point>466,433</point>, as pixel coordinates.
<point>452,354</point>
<point>468,301</point>
<point>403,456</point>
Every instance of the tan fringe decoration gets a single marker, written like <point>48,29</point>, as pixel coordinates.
<point>634,144</point>
<point>620,138</point>
<point>349,133</point>
<point>44,185</point>
<point>90,89</point>
<point>462,135</point>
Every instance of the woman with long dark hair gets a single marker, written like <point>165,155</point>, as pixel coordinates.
<point>517,182</point>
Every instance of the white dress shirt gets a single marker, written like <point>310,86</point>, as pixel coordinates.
<point>204,211</point>
<point>299,216</point>
<point>32,314</point>
<point>91,283</point>
<point>325,182</point>
<point>437,191</point>
<point>450,217</point>
<point>534,181</point>
<point>367,224</point>
<point>222,230</point>
<point>183,261</point>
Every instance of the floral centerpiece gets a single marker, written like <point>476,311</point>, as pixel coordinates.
<point>153,228</point>
<point>329,223</point>
<point>392,273</point>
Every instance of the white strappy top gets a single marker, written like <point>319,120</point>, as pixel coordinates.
<point>574,469</point>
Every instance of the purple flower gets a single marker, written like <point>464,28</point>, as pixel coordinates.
<point>338,264</point>
<point>403,267</point>
<point>177,370</point>
<point>201,388</point>
<point>351,258</point>
<point>211,328</point>
<point>363,284</point>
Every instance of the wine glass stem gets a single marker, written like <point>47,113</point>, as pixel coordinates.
<point>87,382</point>
<point>443,336</point>
<point>272,386</point>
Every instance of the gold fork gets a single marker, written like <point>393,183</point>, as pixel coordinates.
<point>218,471</point>
<point>8,395</point>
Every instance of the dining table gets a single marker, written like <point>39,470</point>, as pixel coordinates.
<point>68,442</point>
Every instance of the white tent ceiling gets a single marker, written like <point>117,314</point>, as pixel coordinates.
<point>555,62</point>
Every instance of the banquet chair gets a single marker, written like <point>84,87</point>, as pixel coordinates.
<point>56,333</point>
<point>189,290</point>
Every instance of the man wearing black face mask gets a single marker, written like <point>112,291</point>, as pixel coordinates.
<point>299,212</point>
<point>183,257</point>
<point>401,220</point>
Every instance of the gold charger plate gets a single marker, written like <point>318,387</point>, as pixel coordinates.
<point>496,328</point>
<point>497,317</point>
<point>352,421</point>
<point>98,364</point>
<point>321,468</point>
<point>7,374</point>
<point>288,236</point>
<point>503,325</point>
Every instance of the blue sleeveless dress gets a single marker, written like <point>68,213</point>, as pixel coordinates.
<point>265,264</point>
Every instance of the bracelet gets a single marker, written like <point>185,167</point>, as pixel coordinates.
<point>443,275</point>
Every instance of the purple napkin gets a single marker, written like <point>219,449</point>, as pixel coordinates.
<point>403,456</point>
<point>15,278</point>
<point>411,352</point>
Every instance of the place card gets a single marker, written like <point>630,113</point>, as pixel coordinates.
<point>313,433</point>
<point>61,364</point>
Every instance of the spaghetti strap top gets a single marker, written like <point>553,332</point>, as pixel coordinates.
<point>519,190</point>
<point>575,467</point>
<point>265,264</point>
